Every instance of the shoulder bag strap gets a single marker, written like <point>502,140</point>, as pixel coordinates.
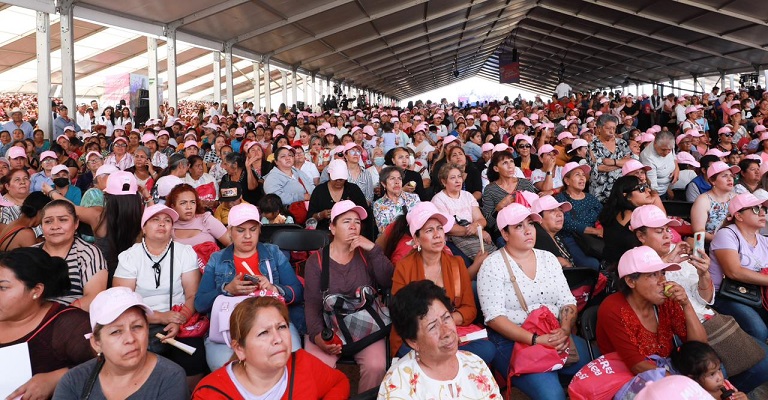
<point>325,274</point>
<point>11,235</point>
<point>512,277</point>
<point>92,378</point>
<point>737,238</point>
<point>293,375</point>
<point>457,284</point>
<point>302,183</point>
<point>171,295</point>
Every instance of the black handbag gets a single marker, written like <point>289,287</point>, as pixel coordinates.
<point>744,293</point>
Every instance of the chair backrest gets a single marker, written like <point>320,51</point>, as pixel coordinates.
<point>579,276</point>
<point>676,208</point>
<point>589,323</point>
<point>300,239</point>
<point>267,230</point>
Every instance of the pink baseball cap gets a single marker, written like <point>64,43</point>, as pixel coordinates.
<point>120,139</point>
<point>500,147</point>
<point>577,144</point>
<point>684,157</point>
<point>716,152</point>
<point>734,111</point>
<point>565,135</point>
<point>151,211</point>
<point>246,147</point>
<point>567,168</point>
<point>650,216</point>
<point>693,132</point>
<point>121,183</point>
<point>548,203</point>
<point>724,130</point>
<point>16,152</point>
<point>449,139</point>
<point>719,166</point>
<point>351,145</point>
<point>744,200</point>
<point>330,131</point>
<point>368,130</point>
<point>755,157</point>
<point>163,132</point>
<point>43,155</point>
<point>106,169</point>
<point>423,212</point>
<point>643,259</point>
<point>243,213</point>
<point>523,137</point>
<point>59,168</point>
<point>759,128</point>
<point>337,169</point>
<point>487,147</point>
<point>547,148</point>
<point>148,137</point>
<point>345,206</point>
<point>239,132</point>
<point>691,109</point>
<point>679,387</point>
<point>514,214</point>
<point>110,304</point>
<point>190,143</point>
<point>633,165</point>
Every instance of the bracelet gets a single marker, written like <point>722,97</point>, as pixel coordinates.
<point>533,339</point>
<point>49,192</point>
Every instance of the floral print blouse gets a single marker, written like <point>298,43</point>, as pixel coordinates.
<point>385,211</point>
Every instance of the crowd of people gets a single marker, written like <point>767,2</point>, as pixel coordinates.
<point>464,222</point>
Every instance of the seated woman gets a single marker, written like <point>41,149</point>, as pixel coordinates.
<point>428,227</point>
<point>165,274</point>
<point>739,253</point>
<point>30,278</point>
<point>395,200</point>
<point>86,266</point>
<point>583,218</point>
<point>641,319</point>
<point>635,168</point>
<point>329,193</point>
<point>652,228</point>
<point>710,209</point>
<point>195,225</point>
<point>548,231</point>
<point>226,269</point>
<point>264,366</point>
<point>286,181</point>
<point>21,233</point>
<point>472,181</point>
<point>504,188</point>
<point>16,189</point>
<point>627,194</point>
<point>119,325</point>
<point>541,282</point>
<point>354,262</point>
<point>749,176</point>
<point>421,315</point>
<point>464,210</point>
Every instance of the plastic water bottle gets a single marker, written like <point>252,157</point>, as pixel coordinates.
<point>311,223</point>
<point>330,337</point>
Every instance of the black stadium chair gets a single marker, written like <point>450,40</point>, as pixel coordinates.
<point>267,230</point>
<point>588,323</point>
<point>680,209</point>
<point>299,239</point>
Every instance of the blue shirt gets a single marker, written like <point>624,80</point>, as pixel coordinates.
<point>74,194</point>
<point>28,129</point>
<point>37,180</point>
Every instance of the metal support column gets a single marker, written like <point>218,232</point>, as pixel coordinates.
<point>284,84</point>
<point>43,39</point>
<point>230,84</point>
<point>267,87</point>
<point>217,77</point>
<point>66,23</point>
<point>305,97</point>
<point>294,88</point>
<point>256,87</point>
<point>173,95</point>
<point>314,91</point>
<point>154,107</point>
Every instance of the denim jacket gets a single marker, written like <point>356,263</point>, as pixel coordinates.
<point>220,270</point>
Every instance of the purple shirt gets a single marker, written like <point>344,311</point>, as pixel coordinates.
<point>729,237</point>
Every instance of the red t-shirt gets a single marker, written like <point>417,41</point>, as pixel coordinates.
<point>252,261</point>
<point>619,329</point>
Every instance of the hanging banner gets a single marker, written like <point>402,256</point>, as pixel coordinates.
<point>509,68</point>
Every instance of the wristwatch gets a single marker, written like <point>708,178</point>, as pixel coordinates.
<point>549,173</point>
<point>226,293</point>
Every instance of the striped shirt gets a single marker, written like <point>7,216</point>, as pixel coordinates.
<point>84,260</point>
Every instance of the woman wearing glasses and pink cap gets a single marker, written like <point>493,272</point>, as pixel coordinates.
<point>642,318</point>
<point>711,208</point>
<point>123,367</point>
<point>541,282</point>
<point>354,262</point>
<point>739,252</point>
<point>428,227</point>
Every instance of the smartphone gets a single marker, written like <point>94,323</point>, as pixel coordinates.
<point>698,242</point>
<point>252,279</point>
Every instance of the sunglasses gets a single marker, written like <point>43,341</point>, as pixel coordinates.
<point>756,209</point>
<point>728,134</point>
<point>640,188</point>
<point>524,146</point>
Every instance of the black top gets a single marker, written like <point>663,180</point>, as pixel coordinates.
<point>618,239</point>
<point>321,200</point>
<point>473,183</point>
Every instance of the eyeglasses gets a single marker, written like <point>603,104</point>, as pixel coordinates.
<point>756,209</point>
<point>121,145</point>
<point>354,152</point>
<point>640,188</point>
<point>728,134</point>
<point>49,160</point>
<point>524,146</point>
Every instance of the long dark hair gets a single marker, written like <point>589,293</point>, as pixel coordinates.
<point>32,265</point>
<point>123,217</point>
<point>398,230</point>
<point>618,202</point>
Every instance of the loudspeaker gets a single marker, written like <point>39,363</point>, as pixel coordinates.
<point>142,114</point>
<point>143,98</point>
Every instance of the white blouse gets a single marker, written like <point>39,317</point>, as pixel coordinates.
<point>497,294</point>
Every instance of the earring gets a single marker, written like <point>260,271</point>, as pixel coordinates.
<point>34,297</point>
<point>418,248</point>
